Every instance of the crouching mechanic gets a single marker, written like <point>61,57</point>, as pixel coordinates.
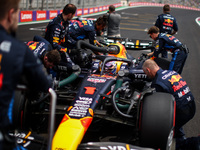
<point>44,51</point>
<point>171,82</point>
<point>167,42</point>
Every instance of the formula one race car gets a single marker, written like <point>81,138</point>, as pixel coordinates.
<point>109,106</point>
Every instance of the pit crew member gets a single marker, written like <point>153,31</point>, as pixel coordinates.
<point>171,82</point>
<point>168,42</point>
<point>167,24</point>
<point>57,28</point>
<point>44,51</point>
<point>16,60</point>
<point>86,29</point>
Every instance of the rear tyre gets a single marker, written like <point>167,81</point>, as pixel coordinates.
<point>157,121</point>
<point>20,109</point>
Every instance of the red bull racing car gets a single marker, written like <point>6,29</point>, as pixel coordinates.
<point>106,105</point>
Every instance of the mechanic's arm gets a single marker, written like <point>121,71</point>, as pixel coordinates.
<point>93,39</point>
<point>99,44</point>
<point>35,75</point>
<point>55,40</point>
<point>158,88</point>
<point>150,54</point>
<point>157,50</point>
<point>175,27</point>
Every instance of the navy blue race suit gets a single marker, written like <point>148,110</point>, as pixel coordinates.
<point>79,30</point>
<point>16,61</point>
<point>166,23</point>
<point>171,82</point>
<point>56,31</point>
<point>167,42</point>
<point>39,46</point>
<point>55,34</point>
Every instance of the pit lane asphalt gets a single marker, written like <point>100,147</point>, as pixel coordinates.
<point>134,24</point>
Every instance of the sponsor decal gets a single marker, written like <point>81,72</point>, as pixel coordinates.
<point>179,86</point>
<point>100,8</point>
<point>5,46</point>
<point>79,12</point>
<point>81,107</point>
<point>53,14</point>
<point>26,16</point>
<point>127,147</point>
<point>59,148</point>
<point>94,80</point>
<point>90,90</point>
<point>140,76</point>
<point>96,9</point>
<point>85,11</point>
<point>41,15</point>
<point>171,38</point>
<point>33,45</point>
<point>184,92</point>
<point>23,138</point>
<point>91,10</point>
<point>167,75</point>
<point>168,21</point>
<point>84,22</point>
<point>174,78</point>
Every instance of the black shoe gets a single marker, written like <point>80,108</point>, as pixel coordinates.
<point>192,143</point>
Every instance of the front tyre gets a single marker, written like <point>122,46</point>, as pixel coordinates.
<point>157,121</point>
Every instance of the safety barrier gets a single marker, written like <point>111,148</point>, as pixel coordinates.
<point>39,15</point>
<point>27,16</point>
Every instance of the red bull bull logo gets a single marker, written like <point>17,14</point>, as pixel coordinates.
<point>174,78</point>
<point>168,21</point>
<point>33,46</point>
<point>84,22</point>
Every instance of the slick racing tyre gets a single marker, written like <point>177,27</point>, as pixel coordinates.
<point>157,121</point>
<point>19,109</point>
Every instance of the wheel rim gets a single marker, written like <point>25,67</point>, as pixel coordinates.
<point>170,140</point>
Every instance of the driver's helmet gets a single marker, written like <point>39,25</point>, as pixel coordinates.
<point>111,67</point>
<point>122,50</point>
<point>116,65</point>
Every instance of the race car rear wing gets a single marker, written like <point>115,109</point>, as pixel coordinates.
<point>130,44</point>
